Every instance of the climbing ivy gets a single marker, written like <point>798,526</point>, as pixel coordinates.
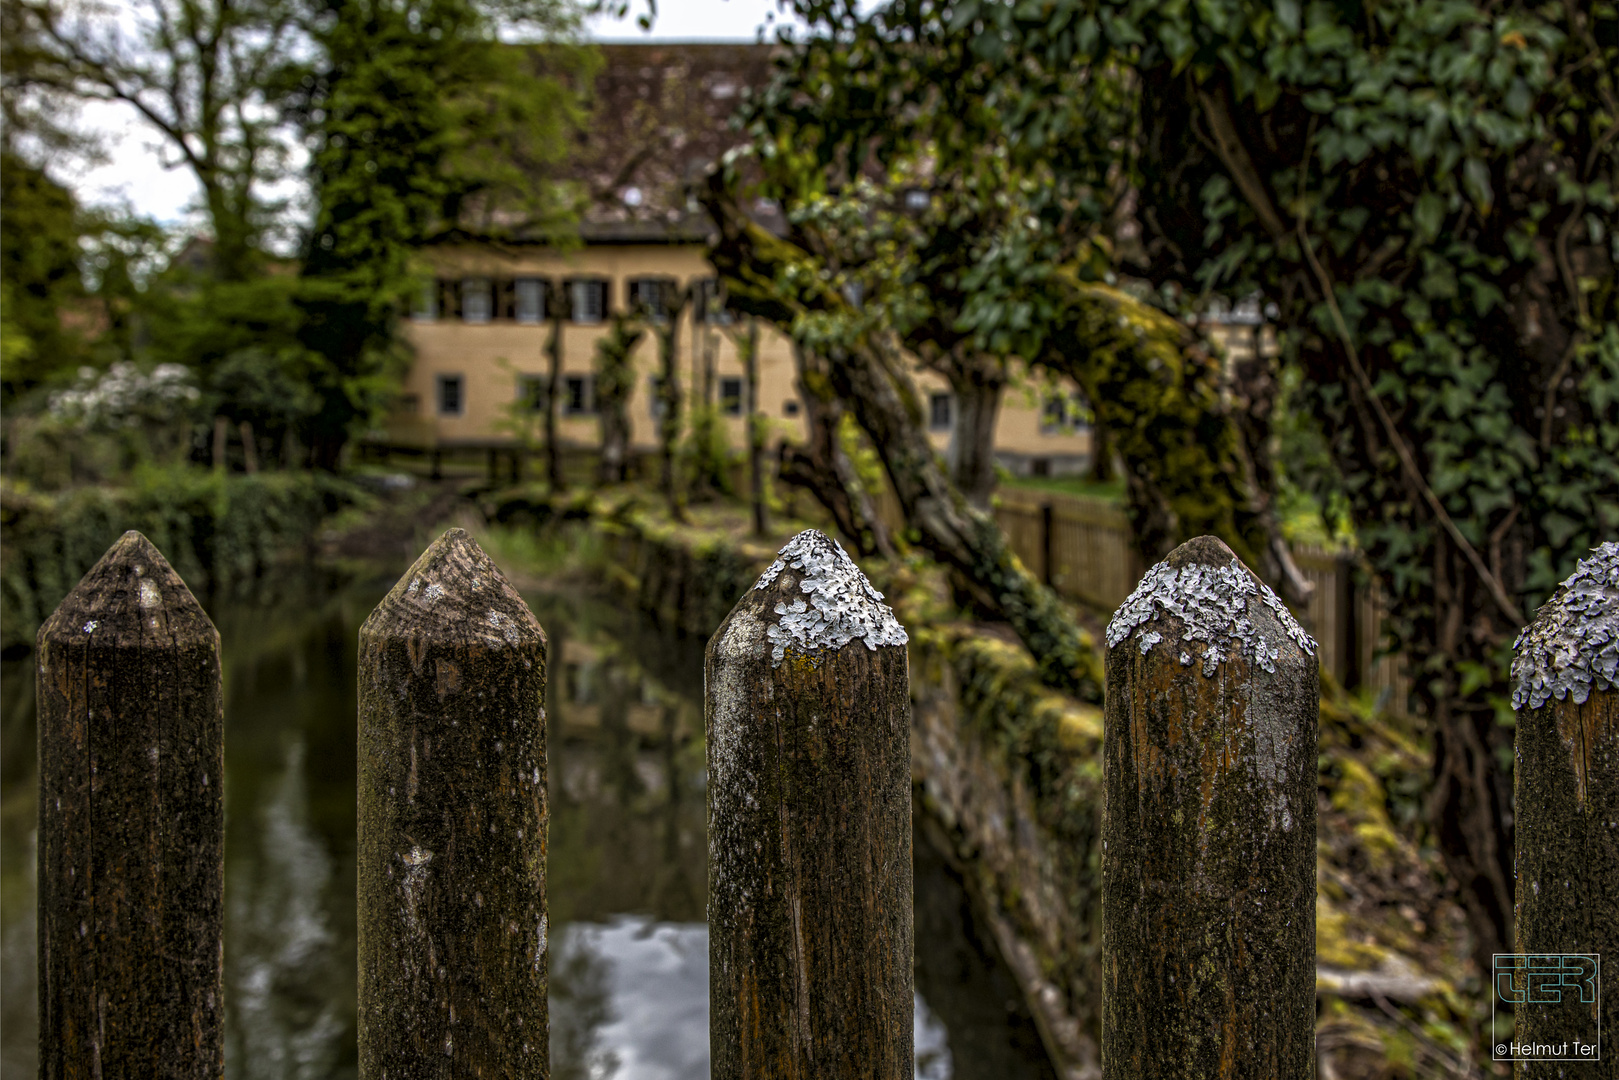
<point>1423,192</point>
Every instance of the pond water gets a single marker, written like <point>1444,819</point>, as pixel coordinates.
<point>627,882</point>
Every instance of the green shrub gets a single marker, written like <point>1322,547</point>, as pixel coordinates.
<point>220,532</point>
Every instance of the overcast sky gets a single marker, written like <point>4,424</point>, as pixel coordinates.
<point>135,173</point>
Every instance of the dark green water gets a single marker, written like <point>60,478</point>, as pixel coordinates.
<point>626,874</point>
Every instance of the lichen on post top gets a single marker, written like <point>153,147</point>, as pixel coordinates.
<point>838,604</point>
<point>1572,645</point>
<point>1204,586</point>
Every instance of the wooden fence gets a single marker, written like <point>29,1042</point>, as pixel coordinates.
<point>1208,865</point>
<point>1083,549</point>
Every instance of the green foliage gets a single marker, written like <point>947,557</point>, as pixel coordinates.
<point>220,532</point>
<point>424,123</point>
<point>706,454</point>
<point>39,278</point>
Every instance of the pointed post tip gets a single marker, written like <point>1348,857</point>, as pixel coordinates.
<point>1571,647</point>
<point>1218,606</point>
<point>131,588</point>
<point>455,590</point>
<point>815,599</point>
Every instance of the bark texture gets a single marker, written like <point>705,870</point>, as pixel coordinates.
<point>1567,801</point>
<point>810,888</point>
<point>131,826</point>
<point>453,934</point>
<point>1208,827</point>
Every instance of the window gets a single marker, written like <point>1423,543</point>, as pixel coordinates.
<point>708,303</point>
<point>940,411</point>
<point>578,395</point>
<point>654,390</point>
<point>587,300</point>
<point>424,306</point>
<point>528,304</point>
<point>531,393</point>
<point>654,296</point>
<point>1054,415</point>
<point>731,397</point>
<point>451,397</point>
<point>789,407</point>
<point>477,300</point>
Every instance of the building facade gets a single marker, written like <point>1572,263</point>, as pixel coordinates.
<point>480,330</point>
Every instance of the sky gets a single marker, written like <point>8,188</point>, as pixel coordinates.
<point>134,173</point>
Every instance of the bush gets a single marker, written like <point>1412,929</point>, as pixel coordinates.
<point>219,531</point>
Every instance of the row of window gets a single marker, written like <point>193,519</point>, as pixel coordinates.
<point>578,395</point>
<point>586,300</point>
<point>1060,414</point>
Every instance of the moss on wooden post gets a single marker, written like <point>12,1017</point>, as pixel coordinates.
<point>131,826</point>
<point>1208,827</point>
<point>809,827</point>
<point>452,825</point>
<point>1566,692</point>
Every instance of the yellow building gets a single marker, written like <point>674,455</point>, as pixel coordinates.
<point>479,331</point>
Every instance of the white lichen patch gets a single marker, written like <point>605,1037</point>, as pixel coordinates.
<point>508,629</point>
<point>1212,603</point>
<point>1572,646</point>
<point>838,606</point>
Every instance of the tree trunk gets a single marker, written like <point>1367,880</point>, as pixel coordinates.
<point>872,379</point>
<point>823,468</point>
<point>977,383</point>
<point>553,383</point>
<point>669,414</point>
<point>749,347</point>
<point>1101,468</point>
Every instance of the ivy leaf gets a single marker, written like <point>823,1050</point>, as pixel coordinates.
<point>1429,214</point>
<point>1476,182</point>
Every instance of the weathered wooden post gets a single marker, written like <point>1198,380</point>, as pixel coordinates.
<point>1208,827</point>
<point>452,825</point>
<point>131,826</point>
<point>1565,673</point>
<point>807,694</point>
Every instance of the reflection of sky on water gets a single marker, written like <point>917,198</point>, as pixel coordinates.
<point>648,1000</point>
<point>278,943</point>
<point>626,874</point>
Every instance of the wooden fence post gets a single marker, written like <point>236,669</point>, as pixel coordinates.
<point>1208,827</point>
<point>131,826</point>
<point>1565,673</point>
<point>809,826</point>
<point>452,825</point>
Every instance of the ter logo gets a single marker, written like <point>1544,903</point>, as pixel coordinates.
<point>1556,1005</point>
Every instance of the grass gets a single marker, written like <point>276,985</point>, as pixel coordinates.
<point>1084,487</point>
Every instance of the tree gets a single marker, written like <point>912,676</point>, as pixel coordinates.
<point>615,381</point>
<point>202,74</point>
<point>1425,193</point>
<point>426,127</point>
<point>39,277</point>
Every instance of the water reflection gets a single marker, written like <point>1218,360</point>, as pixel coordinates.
<point>627,870</point>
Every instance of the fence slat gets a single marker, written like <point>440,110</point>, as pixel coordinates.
<point>453,933</point>
<point>1208,827</point>
<point>809,803</point>
<point>1566,784</point>
<point>131,826</point>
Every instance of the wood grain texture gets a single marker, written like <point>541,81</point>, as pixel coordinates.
<point>453,931</point>
<point>131,826</point>
<point>1567,845</point>
<point>810,878</point>
<point>1208,865</point>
